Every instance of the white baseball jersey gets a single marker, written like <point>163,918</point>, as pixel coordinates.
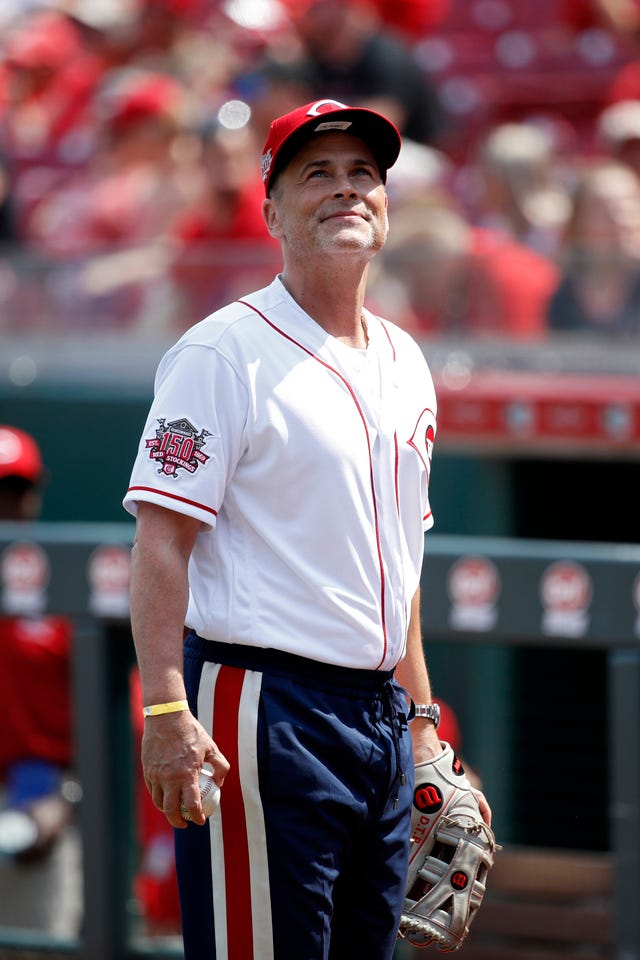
<point>307,462</point>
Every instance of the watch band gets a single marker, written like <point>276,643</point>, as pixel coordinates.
<point>430,711</point>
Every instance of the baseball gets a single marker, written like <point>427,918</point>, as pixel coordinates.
<point>209,795</point>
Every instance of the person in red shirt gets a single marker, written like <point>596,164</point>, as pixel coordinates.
<point>351,54</point>
<point>48,77</point>
<point>38,846</point>
<point>446,277</point>
<point>221,245</point>
<point>36,745</point>
<point>41,890</point>
<point>130,192</point>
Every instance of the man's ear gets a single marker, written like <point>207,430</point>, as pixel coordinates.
<point>272,218</point>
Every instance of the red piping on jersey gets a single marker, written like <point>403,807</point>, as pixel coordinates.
<point>337,374</point>
<point>396,471</point>
<point>388,336</point>
<point>174,496</point>
<point>395,435</point>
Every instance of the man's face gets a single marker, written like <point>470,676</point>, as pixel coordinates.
<point>329,199</point>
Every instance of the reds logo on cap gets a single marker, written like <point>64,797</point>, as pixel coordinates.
<point>291,131</point>
<point>325,106</point>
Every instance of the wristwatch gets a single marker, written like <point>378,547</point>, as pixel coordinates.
<point>431,711</point>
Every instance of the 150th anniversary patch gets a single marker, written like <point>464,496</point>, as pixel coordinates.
<point>177,446</point>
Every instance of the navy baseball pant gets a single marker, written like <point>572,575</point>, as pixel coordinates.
<point>306,857</point>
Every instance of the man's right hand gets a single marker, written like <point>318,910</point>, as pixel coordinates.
<point>174,748</point>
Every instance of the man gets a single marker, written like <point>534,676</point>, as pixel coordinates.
<point>36,712</point>
<point>281,492</point>
<point>39,846</point>
<point>349,50</point>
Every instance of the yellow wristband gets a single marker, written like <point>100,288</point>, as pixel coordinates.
<point>156,708</point>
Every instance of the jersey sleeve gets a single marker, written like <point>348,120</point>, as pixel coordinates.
<point>194,434</point>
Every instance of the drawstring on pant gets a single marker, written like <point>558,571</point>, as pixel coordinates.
<point>398,723</point>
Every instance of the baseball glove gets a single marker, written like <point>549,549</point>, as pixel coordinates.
<point>452,851</point>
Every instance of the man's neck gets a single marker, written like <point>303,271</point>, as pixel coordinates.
<point>334,300</point>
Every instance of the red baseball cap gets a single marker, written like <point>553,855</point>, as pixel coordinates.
<point>19,455</point>
<point>133,96</point>
<point>288,133</point>
<point>46,39</point>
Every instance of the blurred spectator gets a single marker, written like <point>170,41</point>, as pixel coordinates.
<point>517,187</point>
<point>273,88</point>
<point>157,28</point>
<point>512,286</point>
<point>618,133</point>
<point>190,40</point>
<point>419,171</point>
<point>352,57</point>
<point>120,209</point>
<point>39,866</point>
<point>621,18</point>
<point>47,81</point>
<point>230,202</point>
<point>237,39</point>
<point>134,185</point>
<point>600,287</point>
<point>40,849</point>
<point>444,277</point>
<point>223,247</point>
<point>423,285</point>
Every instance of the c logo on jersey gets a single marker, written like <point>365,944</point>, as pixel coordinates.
<point>177,446</point>
<point>423,438</point>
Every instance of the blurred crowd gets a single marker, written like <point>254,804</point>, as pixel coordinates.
<point>131,130</point>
